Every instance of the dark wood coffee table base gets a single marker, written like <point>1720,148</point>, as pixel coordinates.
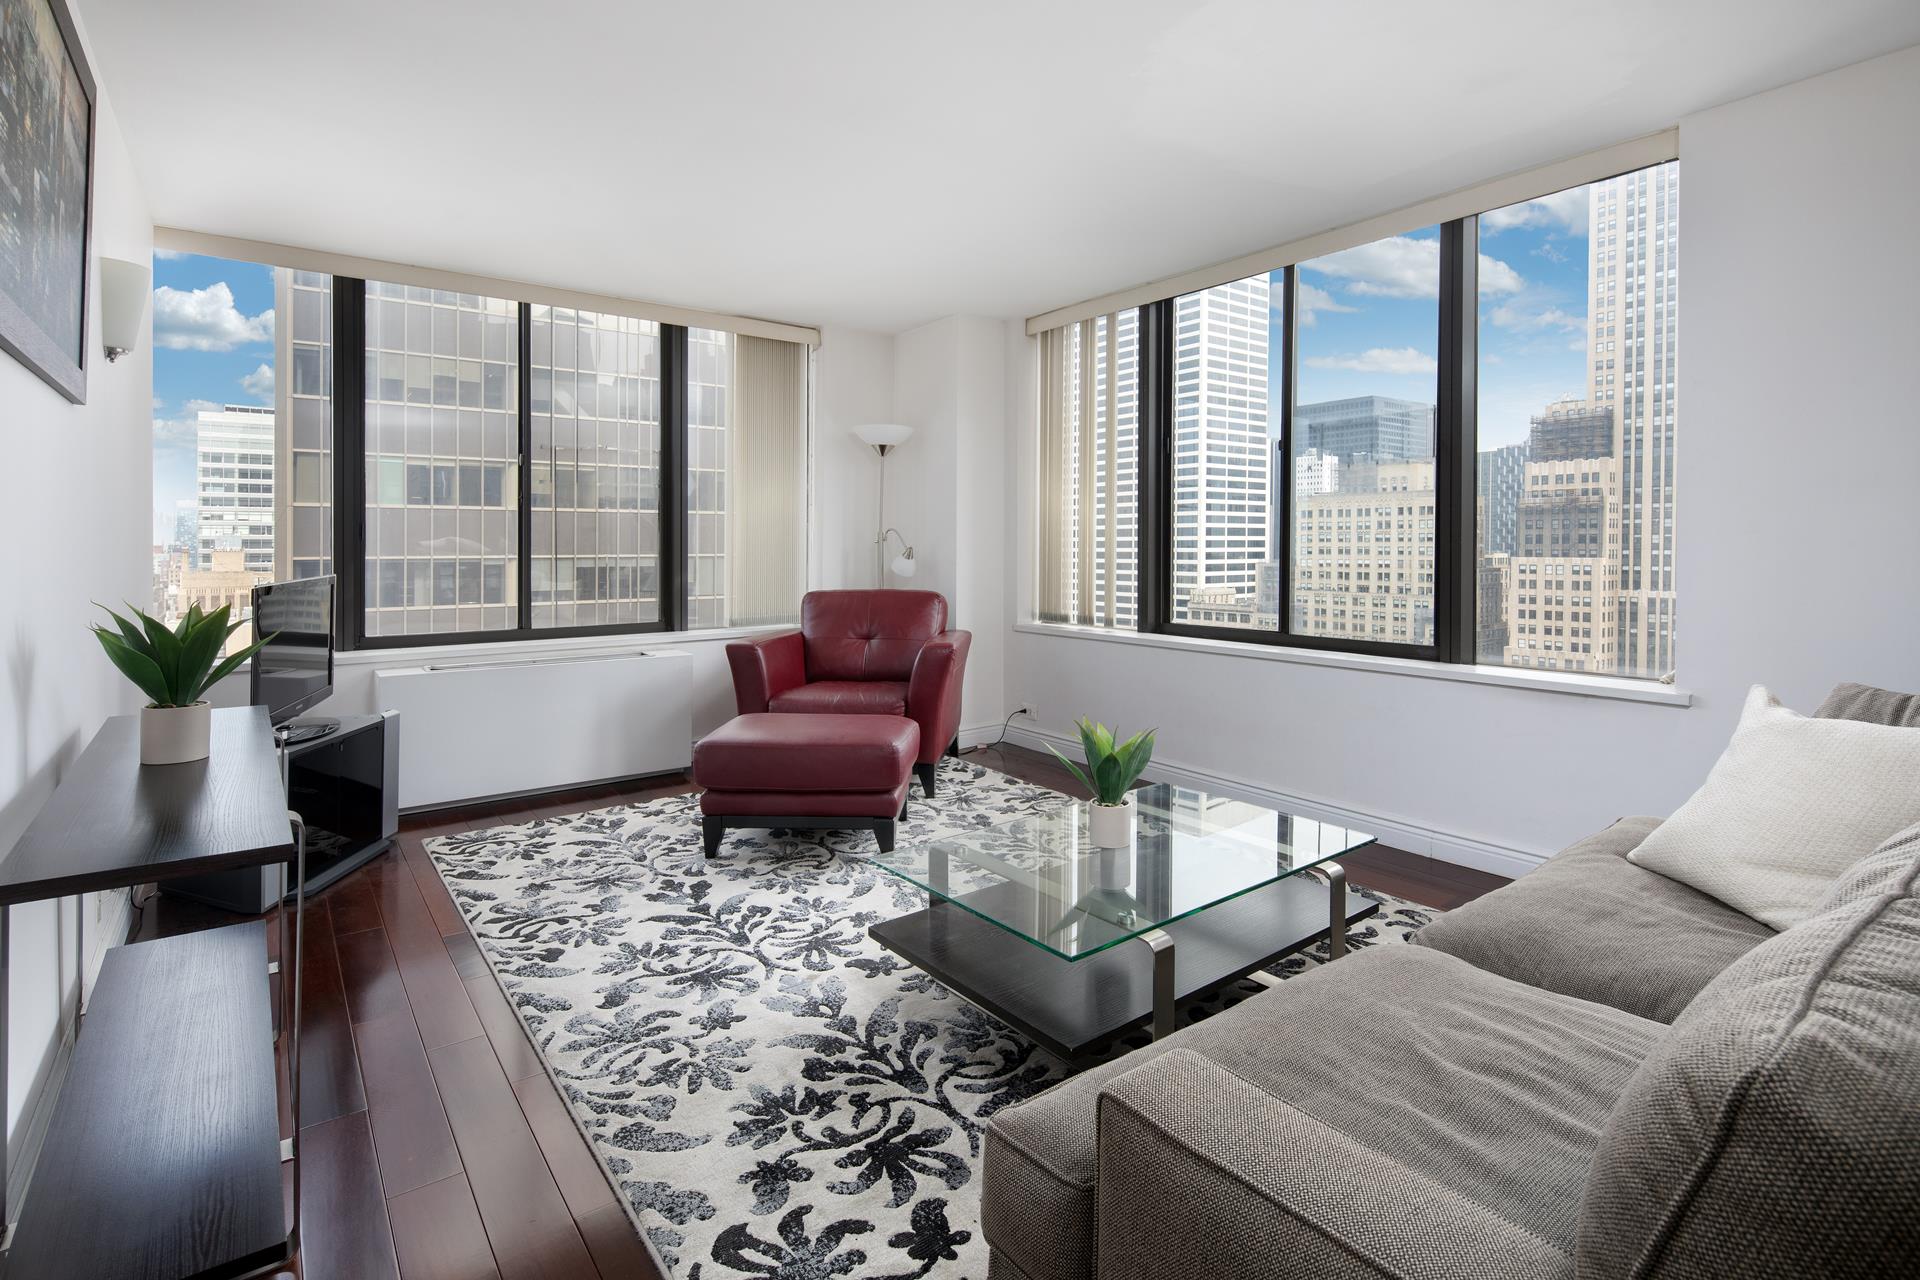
<point>1073,1009</point>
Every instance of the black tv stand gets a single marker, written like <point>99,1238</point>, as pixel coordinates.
<point>345,783</point>
<point>305,729</point>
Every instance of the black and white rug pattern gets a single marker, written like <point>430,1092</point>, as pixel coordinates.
<point>770,1092</point>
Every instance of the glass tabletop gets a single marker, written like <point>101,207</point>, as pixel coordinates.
<point>1039,876</point>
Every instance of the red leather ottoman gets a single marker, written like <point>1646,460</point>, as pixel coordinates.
<point>806,771</point>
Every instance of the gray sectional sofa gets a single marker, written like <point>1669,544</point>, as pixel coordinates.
<point>1593,1072</point>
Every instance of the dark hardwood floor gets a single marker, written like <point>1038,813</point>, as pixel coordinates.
<point>435,1148</point>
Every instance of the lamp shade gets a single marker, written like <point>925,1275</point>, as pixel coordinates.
<point>123,304</point>
<point>883,435</point>
<point>902,565</point>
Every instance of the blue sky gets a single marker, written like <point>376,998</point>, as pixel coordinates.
<point>212,337</point>
<point>1370,316</point>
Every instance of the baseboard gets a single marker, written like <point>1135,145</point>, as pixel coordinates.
<point>1401,833</point>
<point>979,735</point>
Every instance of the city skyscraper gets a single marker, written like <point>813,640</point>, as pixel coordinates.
<point>1502,480</point>
<point>233,464</point>
<point>1562,590</point>
<point>1632,357</point>
<point>1363,559</point>
<point>1379,427</point>
<point>1222,456</point>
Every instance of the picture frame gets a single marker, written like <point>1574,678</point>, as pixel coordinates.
<point>46,207</point>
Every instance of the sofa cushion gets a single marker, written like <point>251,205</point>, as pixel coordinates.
<point>868,635</point>
<point>844,697</point>
<point>1591,924</point>
<point>1775,1131</point>
<point>1484,1086</point>
<point>1792,802</point>
<point>1865,703</point>
<point>787,753</point>
<point>1204,1173</point>
<point>1880,872</point>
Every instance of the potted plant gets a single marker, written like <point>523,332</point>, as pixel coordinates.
<point>1110,773</point>
<point>174,666</point>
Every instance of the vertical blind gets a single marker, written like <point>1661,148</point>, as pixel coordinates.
<point>1088,458</point>
<point>767,462</point>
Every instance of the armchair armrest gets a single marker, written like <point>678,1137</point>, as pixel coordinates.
<point>1197,1163</point>
<point>765,668</point>
<point>933,690</point>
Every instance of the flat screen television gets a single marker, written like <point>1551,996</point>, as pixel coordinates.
<point>294,670</point>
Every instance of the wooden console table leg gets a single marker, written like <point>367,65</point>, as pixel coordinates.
<point>292,1149</point>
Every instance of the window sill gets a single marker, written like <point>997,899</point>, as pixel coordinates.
<point>420,655</point>
<point>1570,683</point>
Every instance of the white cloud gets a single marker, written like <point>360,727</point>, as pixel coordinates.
<point>166,255</point>
<point>1564,211</point>
<point>174,433</point>
<point>1403,267</point>
<point>1511,316</point>
<point>1379,360</point>
<point>183,432</point>
<point>259,383</point>
<point>1314,300</point>
<point>205,320</point>
<point>1497,277</point>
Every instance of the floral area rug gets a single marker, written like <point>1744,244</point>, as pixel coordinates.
<point>770,1092</point>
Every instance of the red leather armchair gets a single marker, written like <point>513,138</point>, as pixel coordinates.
<point>863,653</point>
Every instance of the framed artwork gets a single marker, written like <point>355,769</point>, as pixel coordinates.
<point>46,192</point>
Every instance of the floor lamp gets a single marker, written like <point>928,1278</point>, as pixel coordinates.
<point>883,438</point>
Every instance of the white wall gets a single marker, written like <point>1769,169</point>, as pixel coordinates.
<point>1797,540</point>
<point>80,483</point>
<point>853,385</point>
<point>946,489</point>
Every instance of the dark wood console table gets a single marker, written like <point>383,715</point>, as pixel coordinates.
<point>162,1159</point>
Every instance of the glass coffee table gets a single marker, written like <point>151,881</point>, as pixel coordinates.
<point>1073,944</point>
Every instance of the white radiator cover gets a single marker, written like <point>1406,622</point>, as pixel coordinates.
<point>489,727</point>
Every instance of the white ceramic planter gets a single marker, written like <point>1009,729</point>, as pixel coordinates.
<point>175,735</point>
<point>1110,826</point>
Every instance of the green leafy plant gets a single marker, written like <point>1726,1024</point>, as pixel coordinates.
<point>1111,769</point>
<point>174,666</point>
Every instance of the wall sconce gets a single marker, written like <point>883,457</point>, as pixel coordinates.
<point>883,438</point>
<point>123,304</point>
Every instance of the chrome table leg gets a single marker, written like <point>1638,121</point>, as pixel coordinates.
<point>1162,947</point>
<point>1336,909</point>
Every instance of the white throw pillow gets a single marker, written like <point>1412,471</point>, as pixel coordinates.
<point>1792,802</point>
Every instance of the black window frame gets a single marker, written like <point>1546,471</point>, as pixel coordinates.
<point>1456,471</point>
<point>350,497</point>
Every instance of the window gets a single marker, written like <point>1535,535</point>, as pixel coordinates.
<point>709,387</point>
<point>1456,444</point>
<point>1364,473</point>
<point>1223,430</point>
<point>243,430</point>
<point>442,407</point>
<point>1090,467</point>
<point>1576,482</point>
<point>513,469</point>
<point>596,469</point>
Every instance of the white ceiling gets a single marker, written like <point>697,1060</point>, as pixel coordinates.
<point>880,163</point>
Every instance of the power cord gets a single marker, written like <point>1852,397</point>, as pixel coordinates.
<point>988,746</point>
